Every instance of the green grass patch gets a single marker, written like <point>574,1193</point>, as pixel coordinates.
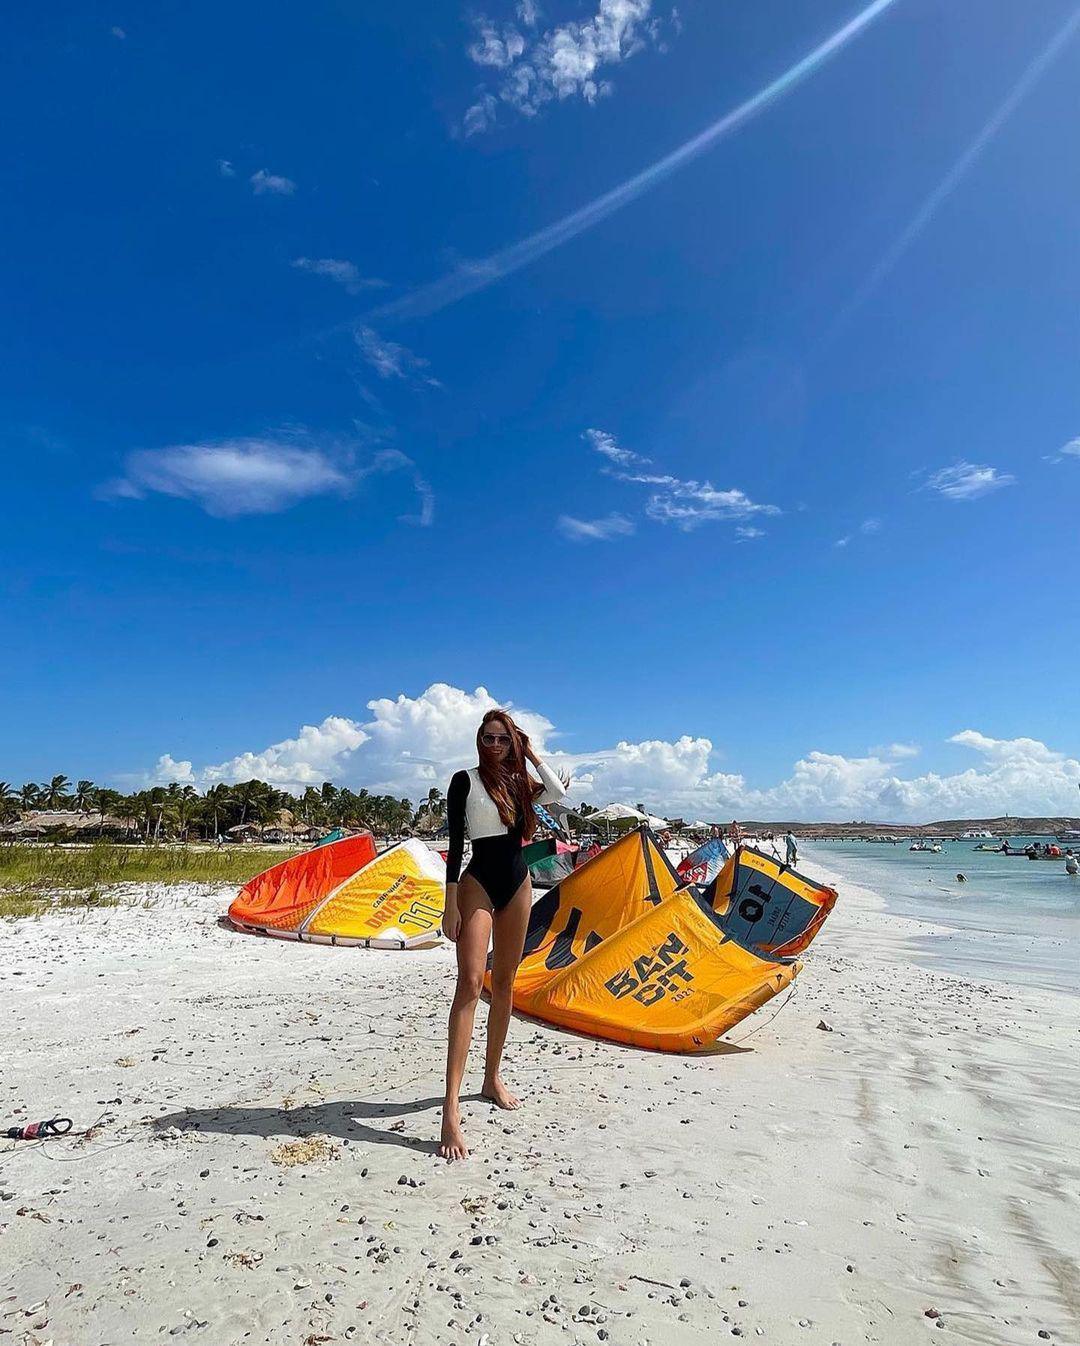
<point>20,902</point>
<point>34,879</point>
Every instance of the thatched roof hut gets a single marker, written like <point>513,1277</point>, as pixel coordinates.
<point>38,823</point>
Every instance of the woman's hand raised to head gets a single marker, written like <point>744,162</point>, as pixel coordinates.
<point>527,748</point>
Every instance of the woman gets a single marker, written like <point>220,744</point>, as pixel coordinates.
<point>492,899</point>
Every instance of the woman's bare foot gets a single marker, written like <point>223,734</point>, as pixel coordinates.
<point>452,1142</point>
<point>500,1095</point>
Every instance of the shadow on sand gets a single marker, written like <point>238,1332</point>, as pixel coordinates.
<point>343,1120</point>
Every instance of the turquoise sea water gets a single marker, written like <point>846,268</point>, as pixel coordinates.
<point>1014,919</point>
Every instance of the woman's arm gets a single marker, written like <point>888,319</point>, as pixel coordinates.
<point>554,786</point>
<point>456,795</point>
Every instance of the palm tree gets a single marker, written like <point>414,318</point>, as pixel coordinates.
<point>347,806</point>
<point>84,796</point>
<point>220,800</point>
<point>30,795</point>
<point>310,805</point>
<point>110,801</point>
<point>173,808</point>
<point>265,803</point>
<point>242,793</point>
<point>436,804</point>
<point>259,802</point>
<point>139,805</point>
<point>329,793</point>
<point>155,809</point>
<point>8,807</point>
<point>186,806</point>
<point>55,794</point>
<point>180,807</point>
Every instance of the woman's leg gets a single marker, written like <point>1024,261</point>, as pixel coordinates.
<point>473,940</point>
<point>510,926</point>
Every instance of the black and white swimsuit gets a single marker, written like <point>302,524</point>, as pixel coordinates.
<point>497,863</point>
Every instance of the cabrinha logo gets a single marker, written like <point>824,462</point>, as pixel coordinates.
<point>389,893</point>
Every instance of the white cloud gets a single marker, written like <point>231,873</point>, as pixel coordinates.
<point>495,47</point>
<point>393,460</point>
<point>225,168</point>
<point>417,742</point>
<point>594,530</point>
<point>562,62</point>
<point>412,743</point>
<point>672,777</point>
<point>317,753</point>
<point>480,116</point>
<point>689,504</point>
<point>747,532</point>
<point>895,751</point>
<point>118,32</point>
<point>344,273</point>
<point>263,182</point>
<point>470,275</point>
<point>1017,776</point>
<point>968,481</point>
<point>234,477</point>
<point>608,447</point>
<point>406,746</point>
<point>1008,749</point>
<point>1070,450</point>
<point>866,528</point>
<point>390,359</point>
<point>167,771</point>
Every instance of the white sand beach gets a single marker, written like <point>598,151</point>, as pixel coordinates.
<point>261,1168</point>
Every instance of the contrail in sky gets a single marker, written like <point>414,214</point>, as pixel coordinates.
<point>469,277</point>
<point>949,183</point>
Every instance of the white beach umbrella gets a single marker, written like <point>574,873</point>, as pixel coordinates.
<point>623,812</point>
<point>615,813</point>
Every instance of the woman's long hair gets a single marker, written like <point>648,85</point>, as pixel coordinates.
<point>508,783</point>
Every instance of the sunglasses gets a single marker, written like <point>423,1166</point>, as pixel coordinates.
<point>496,740</point>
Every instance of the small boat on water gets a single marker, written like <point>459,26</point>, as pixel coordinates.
<point>933,847</point>
<point>1044,852</point>
<point>1031,851</point>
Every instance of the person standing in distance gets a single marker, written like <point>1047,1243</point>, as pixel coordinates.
<point>489,904</point>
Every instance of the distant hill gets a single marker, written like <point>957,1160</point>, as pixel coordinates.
<point>947,827</point>
<point>1024,826</point>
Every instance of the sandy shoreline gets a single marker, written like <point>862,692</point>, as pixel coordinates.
<point>797,1186</point>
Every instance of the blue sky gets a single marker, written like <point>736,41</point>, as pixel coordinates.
<point>261,473</point>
